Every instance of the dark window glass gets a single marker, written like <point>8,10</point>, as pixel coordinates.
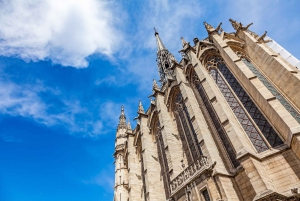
<point>264,126</point>
<point>186,130</point>
<point>239,112</point>
<point>272,89</point>
<point>162,159</point>
<point>206,195</point>
<point>143,176</point>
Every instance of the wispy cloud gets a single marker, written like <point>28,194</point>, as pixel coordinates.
<point>28,101</point>
<point>171,19</point>
<point>66,32</point>
<point>103,179</point>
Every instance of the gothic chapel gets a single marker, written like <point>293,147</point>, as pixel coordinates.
<point>224,125</point>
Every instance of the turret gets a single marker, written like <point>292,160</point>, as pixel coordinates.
<point>121,171</point>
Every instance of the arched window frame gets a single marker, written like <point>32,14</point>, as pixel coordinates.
<point>213,67</point>
<point>268,84</point>
<point>219,129</point>
<point>185,128</point>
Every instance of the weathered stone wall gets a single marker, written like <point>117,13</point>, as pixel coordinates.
<point>258,176</point>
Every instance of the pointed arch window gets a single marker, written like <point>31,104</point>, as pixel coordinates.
<point>250,117</point>
<point>186,130</point>
<point>270,87</point>
<point>162,158</point>
<point>215,120</point>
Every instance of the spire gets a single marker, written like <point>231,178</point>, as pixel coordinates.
<point>164,60</point>
<point>160,45</point>
<point>141,109</point>
<point>122,119</point>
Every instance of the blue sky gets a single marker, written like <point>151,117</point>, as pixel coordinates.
<point>66,67</point>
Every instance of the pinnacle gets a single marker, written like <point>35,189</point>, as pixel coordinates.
<point>141,108</point>
<point>208,26</point>
<point>155,85</point>
<point>122,119</point>
<point>236,25</point>
<point>183,41</point>
<point>129,126</point>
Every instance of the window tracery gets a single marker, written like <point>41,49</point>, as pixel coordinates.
<point>162,157</point>
<point>270,87</point>
<point>215,120</point>
<point>216,66</point>
<point>186,130</point>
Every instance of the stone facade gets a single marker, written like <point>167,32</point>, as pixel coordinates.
<point>224,125</point>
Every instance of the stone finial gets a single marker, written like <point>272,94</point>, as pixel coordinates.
<point>208,27</point>
<point>183,41</point>
<point>235,24</point>
<point>141,108</point>
<point>155,85</point>
<point>152,101</point>
<point>219,27</point>
<point>129,126</point>
<point>122,119</point>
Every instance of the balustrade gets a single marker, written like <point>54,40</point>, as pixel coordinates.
<point>189,173</point>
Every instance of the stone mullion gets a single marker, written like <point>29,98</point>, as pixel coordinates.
<point>246,112</point>
<point>271,63</point>
<point>192,132</point>
<point>232,127</point>
<point>171,134</point>
<point>289,107</point>
<point>249,119</point>
<point>179,120</point>
<point>188,135</point>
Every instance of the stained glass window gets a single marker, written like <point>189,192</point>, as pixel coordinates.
<point>186,130</point>
<point>243,116</point>
<point>206,195</point>
<point>143,176</point>
<point>162,158</point>
<point>272,89</point>
<point>215,120</point>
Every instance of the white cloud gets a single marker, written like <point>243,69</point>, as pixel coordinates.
<point>172,19</point>
<point>66,32</point>
<point>27,102</point>
<point>104,179</point>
